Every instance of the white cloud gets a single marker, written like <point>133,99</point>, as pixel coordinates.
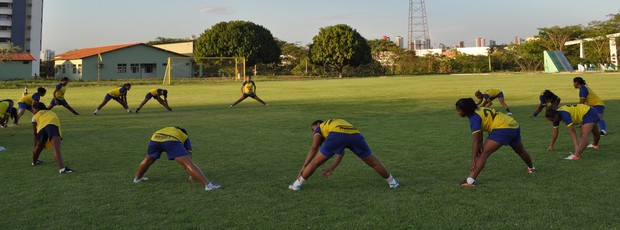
<point>213,9</point>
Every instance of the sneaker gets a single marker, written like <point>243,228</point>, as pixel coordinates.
<point>531,170</point>
<point>38,162</point>
<point>294,188</point>
<point>509,113</point>
<point>65,170</point>
<point>2,148</point>
<point>138,180</point>
<point>603,133</point>
<point>395,184</point>
<point>230,107</point>
<point>168,110</point>
<point>137,110</point>
<point>212,186</point>
<point>465,184</point>
<point>593,146</point>
<point>94,113</point>
<point>76,114</point>
<point>572,157</point>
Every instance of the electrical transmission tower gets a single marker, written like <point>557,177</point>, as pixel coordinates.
<point>419,37</point>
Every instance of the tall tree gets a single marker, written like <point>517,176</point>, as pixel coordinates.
<point>339,46</point>
<point>553,38</point>
<point>238,39</point>
<point>163,40</point>
<point>7,51</point>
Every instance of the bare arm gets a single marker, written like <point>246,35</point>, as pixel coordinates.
<point>328,171</point>
<point>317,140</point>
<point>554,136</point>
<point>538,109</point>
<point>476,149</point>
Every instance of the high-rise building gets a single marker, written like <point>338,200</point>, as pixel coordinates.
<point>461,44</point>
<point>47,55</point>
<point>492,43</point>
<point>517,40</point>
<point>398,40</point>
<point>385,37</point>
<point>480,42</point>
<point>21,23</point>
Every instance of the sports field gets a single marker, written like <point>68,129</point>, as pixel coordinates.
<point>254,152</point>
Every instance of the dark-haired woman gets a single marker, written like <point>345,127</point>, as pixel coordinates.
<point>547,99</point>
<point>502,130</point>
<point>332,137</point>
<point>119,95</point>
<point>572,115</point>
<point>156,93</point>
<point>588,97</point>
<point>47,132</point>
<point>486,99</point>
<point>7,111</point>
<point>25,102</point>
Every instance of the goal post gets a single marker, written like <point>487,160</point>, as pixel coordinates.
<point>188,67</point>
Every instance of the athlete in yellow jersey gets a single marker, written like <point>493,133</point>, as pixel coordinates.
<point>502,130</point>
<point>7,110</point>
<point>119,95</point>
<point>578,114</point>
<point>175,142</point>
<point>248,89</point>
<point>26,101</point>
<point>332,137</point>
<point>156,93</point>
<point>588,97</point>
<point>489,95</point>
<point>59,96</point>
<point>46,127</point>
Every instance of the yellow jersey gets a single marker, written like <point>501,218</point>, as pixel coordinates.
<point>492,93</point>
<point>335,126</point>
<point>249,87</point>
<point>44,118</point>
<point>572,114</point>
<point>29,98</point>
<point>487,119</point>
<point>169,134</point>
<point>60,91</point>
<point>591,98</point>
<point>4,108</point>
<point>117,92</point>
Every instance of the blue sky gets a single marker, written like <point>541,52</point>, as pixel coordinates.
<point>74,24</point>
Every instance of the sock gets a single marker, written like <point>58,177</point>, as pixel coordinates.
<point>299,181</point>
<point>96,110</point>
<point>470,180</point>
<point>390,179</point>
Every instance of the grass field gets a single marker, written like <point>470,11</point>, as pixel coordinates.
<point>254,152</point>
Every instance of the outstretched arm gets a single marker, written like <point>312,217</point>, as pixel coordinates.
<point>317,140</point>
<point>538,109</point>
<point>554,136</point>
<point>328,171</point>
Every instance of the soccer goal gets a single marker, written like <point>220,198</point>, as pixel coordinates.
<point>187,67</point>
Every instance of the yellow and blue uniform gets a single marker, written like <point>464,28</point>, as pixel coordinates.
<point>492,94</point>
<point>595,101</point>
<point>116,93</point>
<point>25,102</point>
<point>170,140</point>
<point>48,125</point>
<point>154,93</point>
<point>576,114</point>
<point>249,89</point>
<point>5,108</point>
<point>59,96</point>
<point>501,127</point>
<point>339,134</point>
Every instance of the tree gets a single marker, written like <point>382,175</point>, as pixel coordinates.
<point>528,56</point>
<point>553,38</point>
<point>163,40</point>
<point>339,46</point>
<point>6,52</point>
<point>238,39</point>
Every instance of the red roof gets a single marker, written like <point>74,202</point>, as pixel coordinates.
<point>87,52</point>
<point>22,57</point>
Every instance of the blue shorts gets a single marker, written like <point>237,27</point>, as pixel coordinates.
<point>600,109</point>
<point>21,105</point>
<point>336,142</point>
<point>590,117</point>
<point>108,97</point>
<point>173,149</point>
<point>148,96</point>
<point>62,102</point>
<point>47,133</point>
<point>506,136</point>
<point>252,95</point>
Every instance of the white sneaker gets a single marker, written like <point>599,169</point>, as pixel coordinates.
<point>294,188</point>
<point>211,186</point>
<point>2,148</point>
<point>509,113</point>
<point>138,180</point>
<point>572,157</point>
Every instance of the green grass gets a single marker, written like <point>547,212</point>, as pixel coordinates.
<point>255,151</point>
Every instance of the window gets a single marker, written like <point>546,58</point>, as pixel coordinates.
<point>121,68</point>
<point>148,68</point>
<point>135,68</point>
<point>63,69</point>
<point>57,68</point>
<point>74,68</point>
<point>5,28</point>
<point>79,69</point>
<point>164,64</point>
<point>5,16</point>
<point>6,5</point>
<point>26,62</point>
